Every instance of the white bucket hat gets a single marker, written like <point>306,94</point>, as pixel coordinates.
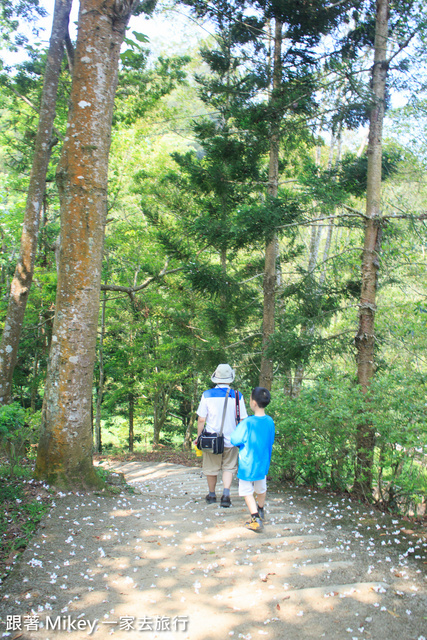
<point>223,374</point>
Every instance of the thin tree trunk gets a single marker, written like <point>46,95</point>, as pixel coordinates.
<point>21,283</point>
<point>65,449</point>
<point>161,411</point>
<point>365,338</point>
<point>270,276</point>
<point>98,435</point>
<point>223,297</point>
<point>188,438</point>
<point>34,382</point>
<point>131,414</point>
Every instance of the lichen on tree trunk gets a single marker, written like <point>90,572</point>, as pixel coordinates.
<point>65,448</point>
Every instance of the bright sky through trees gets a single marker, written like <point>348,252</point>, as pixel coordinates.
<point>171,30</point>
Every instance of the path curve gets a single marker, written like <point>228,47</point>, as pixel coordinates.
<point>161,563</point>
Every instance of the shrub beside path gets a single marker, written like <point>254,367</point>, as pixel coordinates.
<point>161,563</point>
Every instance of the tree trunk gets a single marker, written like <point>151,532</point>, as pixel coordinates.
<point>188,438</point>
<point>365,338</point>
<point>223,299</point>
<point>270,276</point>
<point>131,414</point>
<point>34,385</point>
<point>98,435</point>
<point>161,406</point>
<point>21,283</point>
<point>65,449</point>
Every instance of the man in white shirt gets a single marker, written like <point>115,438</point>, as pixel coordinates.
<point>210,412</point>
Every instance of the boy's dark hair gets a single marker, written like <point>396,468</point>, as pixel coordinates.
<point>261,396</point>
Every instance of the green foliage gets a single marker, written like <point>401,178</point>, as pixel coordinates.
<point>353,170</point>
<point>256,224</point>
<point>315,436</point>
<point>308,307</point>
<point>188,196</point>
<point>315,433</point>
<point>400,421</point>
<point>143,83</point>
<point>15,433</point>
<point>11,11</point>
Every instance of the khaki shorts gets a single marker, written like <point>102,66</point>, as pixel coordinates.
<point>214,463</point>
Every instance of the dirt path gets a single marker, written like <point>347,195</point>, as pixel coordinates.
<point>163,564</point>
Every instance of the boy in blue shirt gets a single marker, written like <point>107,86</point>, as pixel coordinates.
<point>255,436</point>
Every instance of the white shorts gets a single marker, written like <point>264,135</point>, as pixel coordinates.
<point>246,487</point>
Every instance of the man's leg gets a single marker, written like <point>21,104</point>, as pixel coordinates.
<point>210,468</point>
<point>227,478</point>
<point>229,468</point>
<point>211,483</point>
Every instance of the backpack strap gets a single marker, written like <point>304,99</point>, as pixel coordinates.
<point>237,407</point>
<point>224,410</point>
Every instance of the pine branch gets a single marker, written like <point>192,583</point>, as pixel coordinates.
<point>406,216</point>
<point>336,4</point>
<point>303,223</point>
<point>355,211</point>
<point>258,275</point>
<point>132,290</point>
<point>401,47</point>
<point>234,344</point>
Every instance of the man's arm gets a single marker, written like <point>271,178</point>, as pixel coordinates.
<point>200,425</point>
<point>243,411</point>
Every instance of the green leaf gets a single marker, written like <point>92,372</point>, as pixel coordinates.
<point>141,37</point>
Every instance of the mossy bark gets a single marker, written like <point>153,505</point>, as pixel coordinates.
<point>65,448</point>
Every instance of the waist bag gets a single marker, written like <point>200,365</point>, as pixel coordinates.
<point>213,442</point>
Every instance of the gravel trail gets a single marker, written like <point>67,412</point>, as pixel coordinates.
<point>161,563</point>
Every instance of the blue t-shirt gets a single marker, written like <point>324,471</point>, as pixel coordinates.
<point>254,437</point>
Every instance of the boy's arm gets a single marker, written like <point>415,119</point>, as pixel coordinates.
<point>238,436</point>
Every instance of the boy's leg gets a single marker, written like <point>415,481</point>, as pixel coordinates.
<point>260,505</point>
<point>260,487</point>
<point>261,499</point>
<point>246,490</point>
<point>251,504</point>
